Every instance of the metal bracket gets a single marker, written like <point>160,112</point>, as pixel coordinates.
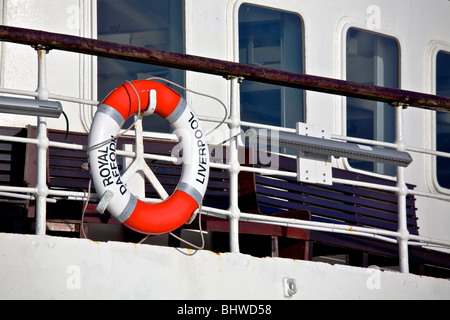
<point>239,79</point>
<point>290,287</point>
<point>40,47</point>
<point>151,103</point>
<point>399,104</point>
<point>104,201</point>
<point>193,216</point>
<point>314,168</point>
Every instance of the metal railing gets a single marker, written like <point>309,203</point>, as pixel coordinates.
<point>44,41</point>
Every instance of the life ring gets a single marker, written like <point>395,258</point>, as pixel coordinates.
<point>114,110</point>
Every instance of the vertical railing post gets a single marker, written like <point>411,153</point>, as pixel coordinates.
<point>42,146</point>
<point>233,161</point>
<point>403,234</point>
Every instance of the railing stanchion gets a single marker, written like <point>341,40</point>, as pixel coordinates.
<point>42,146</point>
<point>403,234</point>
<point>233,161</point>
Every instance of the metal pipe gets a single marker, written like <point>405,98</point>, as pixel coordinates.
<point>42,146</point>
<point>365,184</point>
<point>429,152</point>
<point>402,192</point>
<point>18,189</point>
<point>222,68</point>
<point>383,235</point>
<point>234,169</point>
<point>18,139</point>
<point>22,196</point>
<point>429,195</point>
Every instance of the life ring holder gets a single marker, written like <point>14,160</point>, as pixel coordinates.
<point>122,103</point>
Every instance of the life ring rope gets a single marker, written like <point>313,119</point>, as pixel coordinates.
<point>120,134</point>
<point>102,146</point>
<point>183,88</point>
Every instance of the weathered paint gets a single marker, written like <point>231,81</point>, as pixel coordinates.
<point>45,267</point>
<point>223,68</point>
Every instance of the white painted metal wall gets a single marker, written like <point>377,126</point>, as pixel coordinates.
<point>68,74</point>
<point>64,268</point>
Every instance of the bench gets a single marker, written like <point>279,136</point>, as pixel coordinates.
<point>14,212</point>
<point>338,204</point>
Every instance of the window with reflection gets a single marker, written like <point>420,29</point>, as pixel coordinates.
<point>273,39</point>
<point>371,59</point>
<point>151,24</point>
<point>443,118</point>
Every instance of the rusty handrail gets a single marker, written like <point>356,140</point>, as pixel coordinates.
<point>222,68</point>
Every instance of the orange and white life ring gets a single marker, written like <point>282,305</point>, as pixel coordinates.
<point>111,114</point>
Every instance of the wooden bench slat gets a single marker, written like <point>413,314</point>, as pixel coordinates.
<point>288,183</point>
<point>265,193</point>
<point>328,193</point>
<point>329,214</point>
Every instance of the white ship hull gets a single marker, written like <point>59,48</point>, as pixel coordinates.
<point>45,267</point>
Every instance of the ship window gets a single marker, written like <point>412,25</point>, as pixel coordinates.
<point>151,24</point>
<point>443,118</point>
<point>271,39</point>
<point>371,59</point>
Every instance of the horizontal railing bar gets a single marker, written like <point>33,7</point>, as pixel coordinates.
<point>14,189</point>
<point>19,92</point>
<point>366,184</point>
<point>266,126</point>
<point>222,68</point>
<point>307,225</point>
<point>380,234</point>
<point>429,152</point>
<point>364,141</point>
<point>429,195</point>
<point>223,166</point>
<point>18,139</point>
<point>51,96</point>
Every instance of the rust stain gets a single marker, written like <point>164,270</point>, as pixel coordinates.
<point>64,42</point>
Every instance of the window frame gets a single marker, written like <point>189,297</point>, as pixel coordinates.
<point>431,161</point>
<point>184,35</point>
<point>341,34</point>
<point>281,7</point>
